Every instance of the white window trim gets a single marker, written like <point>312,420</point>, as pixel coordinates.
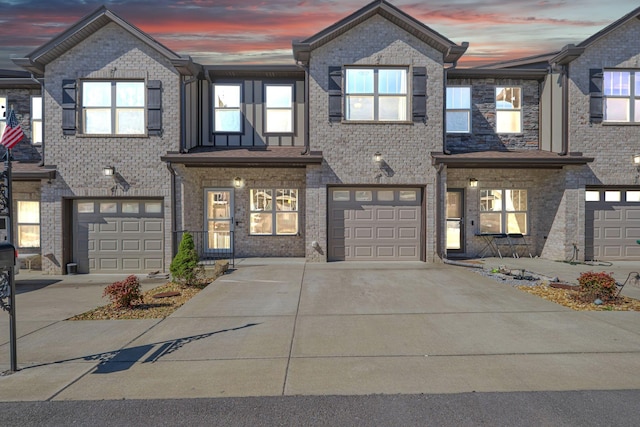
<point>468,110</point>
<point>274,211</point>
<point>114,108</point>
<point>290,109</point>
<point>519,109</point>
<point>3,116</point>
<point>376,95</point>
<point>503,212</point>
<point>632,97</point>
<point>28,224</point>
<point>40,120</point>
<point>239,108</point>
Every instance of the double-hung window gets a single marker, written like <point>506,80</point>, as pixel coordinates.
<point>274,211</point>
<point>622,96</point>
<point>3,114</point>
<point>36,120</point>
<point>503,211</point>
<point>28,221</point>
<point>226,108</point>
<point>278,108</point>
<point>458,109</point>
<point>113,107</point>
<point>508,109</point>
<point>376,94</point>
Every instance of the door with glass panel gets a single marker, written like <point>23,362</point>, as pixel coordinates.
<point>219,220</point>
<point>455,221</point>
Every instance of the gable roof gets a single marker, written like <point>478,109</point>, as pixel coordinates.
<point>36,61</point>
<point>452,52</point>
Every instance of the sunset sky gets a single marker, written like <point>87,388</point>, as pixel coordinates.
<point>254,31</point>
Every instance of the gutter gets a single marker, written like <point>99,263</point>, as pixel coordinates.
<point>565,110</point>
<point>307,133</point>
<point>174,248</point>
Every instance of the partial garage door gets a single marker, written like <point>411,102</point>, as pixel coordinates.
<point>374,224</point>
<point>612,226</point>
<point>114,236</point>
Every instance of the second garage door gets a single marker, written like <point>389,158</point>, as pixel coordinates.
<point>612,228</point>
<point>374,224</point>
<point>115,236</point>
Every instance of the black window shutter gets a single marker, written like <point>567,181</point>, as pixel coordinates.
<point>595,96</point>
<point>69,107</point>
<point>154,107</point>
<point>419,101</point>
<point>335,94</point>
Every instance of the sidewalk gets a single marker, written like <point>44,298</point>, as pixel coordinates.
<point>276,327</point>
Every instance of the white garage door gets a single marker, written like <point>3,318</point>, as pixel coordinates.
<point>612,227</point>
<point>374,224</point>
<point>115,236</point>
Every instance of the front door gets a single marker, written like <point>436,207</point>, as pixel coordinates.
<point>219,220</point>
<point>455,220</point>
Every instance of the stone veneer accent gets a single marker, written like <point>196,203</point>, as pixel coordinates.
<point>79,160</point>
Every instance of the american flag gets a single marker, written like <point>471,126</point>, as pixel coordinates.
<point>13,132</point>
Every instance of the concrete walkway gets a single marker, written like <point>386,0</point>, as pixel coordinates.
<point>277,327</point>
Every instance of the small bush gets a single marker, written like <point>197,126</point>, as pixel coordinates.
<point>184,268</point>
<point>125,292</point>
<point>597,285</point>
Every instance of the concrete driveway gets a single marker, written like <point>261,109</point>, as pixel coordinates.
<point>285,327</point>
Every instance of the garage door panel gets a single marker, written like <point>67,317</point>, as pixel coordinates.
<point>374,229</point>
<point>152,264</point>
<point>632,251</point>
<point>108,227</point>
<point>632,214</point>
<point>131,245</point>
<point>612,215</point>
<point>108,263</point>
<point>632,233</point>
<point>108,245</point>
<point>131,226</point>
<point>611,251</point>
<point>612,233</point>
<point>131,264</point>
<point>152,226</point>
<point>152,245</point>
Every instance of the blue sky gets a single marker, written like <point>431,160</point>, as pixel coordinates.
<point>248,31</point>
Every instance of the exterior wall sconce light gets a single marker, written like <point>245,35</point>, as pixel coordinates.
<point>636,160</point>
<point>237,182</point>
<point>377,157</point>
<point>108,171</point>
<point>473,183</point>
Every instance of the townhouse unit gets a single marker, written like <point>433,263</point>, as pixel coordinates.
<point>367,148</point>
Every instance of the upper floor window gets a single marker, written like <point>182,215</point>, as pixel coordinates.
<point>503,211</point>
<point>278,108</point>
<point>36,119</point>
<point>226,108</point>
<point>3,114</point>
<point>376,94</point>
<point>508,109</point>
<point>622,96</point>
<point>458,109</point>
<point>113,107</point>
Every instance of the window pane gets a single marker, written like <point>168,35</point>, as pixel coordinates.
<point>592,196</point>
<point>279,121</point>
<point>96,94</point>
<point>29,212</point>
<point>359,108</point>
<point>226,96</point>
<point>616,109</point>
<point>130,122</point>
<point>491,223</point>
<point>108,207</point>
<point>227,120</point>
<point>279,96</point>
<point>261,223</point>
<point>616,83</point>
<point>341,195</point>
<point>36,132</point>
<point>459,97</point>
<point>457,121</point>
<point>130,94</point>
<point>28,236</point>
<point>508,121</point>
<point>128,207</point>
<point>287,200</point>
<point>287,223</point>
<point>392,81</point>
<point>636,111</point>
<point>517,223</point>
<point>359,80</point>
<point>508,98</point>
<point>385,196</point>
<point>97,121</point>
<point>261,200</point>
<point>408,196</point>
<point>36,108</point>
<point>490,200</point>
<point>218,204</point>
<point>153,207</point>
<point>364,196</point>
<point>86,207</point>
<point>515,200</point>
<point>611,196</point>
<point>633,196</point>
<point>393,108</point>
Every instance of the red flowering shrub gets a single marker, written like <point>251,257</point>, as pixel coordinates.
<point>125,292</point>
<point>597,285</point>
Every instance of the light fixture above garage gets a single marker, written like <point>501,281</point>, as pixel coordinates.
<point>377,157</point>
<point>473,183</point>
<point>108,171</point>
<point>636,160</point>
<point>237,182</point>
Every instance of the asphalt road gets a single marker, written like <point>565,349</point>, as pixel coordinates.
<point>575,408</point>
